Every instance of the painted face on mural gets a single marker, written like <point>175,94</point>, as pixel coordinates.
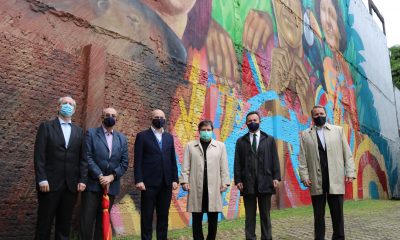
<point>289,23</point>
<point>329,23</point>
<point>171,7</point>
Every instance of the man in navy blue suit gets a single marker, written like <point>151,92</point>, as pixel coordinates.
<point>156,175</point>
<point>107,154</point>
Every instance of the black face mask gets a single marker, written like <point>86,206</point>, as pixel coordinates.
<point>158,123</point>
<point>109,121</point>
<point>253,126</point>
<point>319,121</point>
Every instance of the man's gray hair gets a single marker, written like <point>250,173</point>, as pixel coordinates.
<point>67,96</point>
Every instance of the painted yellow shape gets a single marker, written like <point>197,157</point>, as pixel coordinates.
<point>369,175</point>
<point>188,119</point>
<point>129,217</point>
<point>367,145</point>
<point>259,76</point>
<point>229,117</point>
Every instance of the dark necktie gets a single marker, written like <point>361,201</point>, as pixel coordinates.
<point>254,144</point>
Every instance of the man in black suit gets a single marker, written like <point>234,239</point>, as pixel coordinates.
<point>107,154</point>
<point>60,169</point>
<point>257,174</point>
<point>156,175</point>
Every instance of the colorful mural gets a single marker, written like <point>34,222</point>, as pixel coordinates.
<point>278,57</point>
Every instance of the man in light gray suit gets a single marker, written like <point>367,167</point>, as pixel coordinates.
<point>326,163</point>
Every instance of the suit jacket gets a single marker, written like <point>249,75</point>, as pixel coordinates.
<point>340,160</point>
<point>267,160</point>
<point>55,163</point>
<point>100,162</point>
<point>154,166</point>
<point>193,173</point>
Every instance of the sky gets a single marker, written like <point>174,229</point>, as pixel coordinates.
<point>390,9</point>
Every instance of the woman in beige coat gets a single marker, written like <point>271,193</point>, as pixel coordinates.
<point>205,176</point>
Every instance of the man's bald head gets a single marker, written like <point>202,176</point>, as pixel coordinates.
<point>157,113</point>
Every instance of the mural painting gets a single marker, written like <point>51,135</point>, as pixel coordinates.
<point>278,57</point>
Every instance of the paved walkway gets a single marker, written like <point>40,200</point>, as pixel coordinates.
<point>382,224</point>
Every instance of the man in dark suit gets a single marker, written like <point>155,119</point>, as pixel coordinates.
<point>257,174</point>
<point>107,154</point>
<point>156,175</point>
<point>60,170</point>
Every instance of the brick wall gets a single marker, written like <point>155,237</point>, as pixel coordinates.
<point>32,77</point>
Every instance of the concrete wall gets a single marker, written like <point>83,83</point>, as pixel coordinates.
<point>220,60</point>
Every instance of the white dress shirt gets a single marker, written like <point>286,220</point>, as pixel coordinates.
<point>251,135</point>
<point>321,135</point>
<point>66,129</point>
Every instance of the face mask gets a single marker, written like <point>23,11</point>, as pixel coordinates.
<point>158,123</point>
<point>319,121</point>
<point>206,135</point>
<point>253,126</point>
<point>66,110</point>
<point>109,121</point>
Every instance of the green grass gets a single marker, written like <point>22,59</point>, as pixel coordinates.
<point>357,208</point>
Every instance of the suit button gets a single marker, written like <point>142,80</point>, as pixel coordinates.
<point>319,170</point>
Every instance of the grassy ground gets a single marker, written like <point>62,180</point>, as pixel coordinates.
<point>351,208</point>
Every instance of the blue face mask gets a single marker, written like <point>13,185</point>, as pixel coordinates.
<point>206,135</point>
<point>66,110</point>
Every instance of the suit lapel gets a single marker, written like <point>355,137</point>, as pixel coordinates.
<point>115,143</point>
<point>58,130</point>
<point>313,132</point>
<point>72,136</point>
<point>155,141</point>
<point>198,144</point>
<point>100,134</point>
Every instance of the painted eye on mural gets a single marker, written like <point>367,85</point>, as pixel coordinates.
<point>308,33</point>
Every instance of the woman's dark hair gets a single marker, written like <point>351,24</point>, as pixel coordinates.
<point>205,123</point>
<point>253,112</point>
<point>199,19</point>
<point>340,22</point>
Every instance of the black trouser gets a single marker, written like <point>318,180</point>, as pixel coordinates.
<point>335,202</point>
<point>250,207</point>
<point>59,204</point>
<point>197,219</point>
<point>158,198</point>
<point>91,215</point>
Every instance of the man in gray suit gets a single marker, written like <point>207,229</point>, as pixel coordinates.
<point>326,163</point>
<point>107,154</point>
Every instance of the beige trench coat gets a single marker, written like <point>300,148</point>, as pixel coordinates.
<point>340,160</point>
<point>193,171</point>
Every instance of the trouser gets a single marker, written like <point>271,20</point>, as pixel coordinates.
<point>335,202</point>
<point>59,205</point>
<point>197,218</point>
<point>158,198</point>
<point>264,206</point>
<point>91,215</point>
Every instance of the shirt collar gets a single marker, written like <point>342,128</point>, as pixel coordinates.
<point>155,131</point>
<point>63,122</point>
<point>258,132</point>
<point>105,130</point>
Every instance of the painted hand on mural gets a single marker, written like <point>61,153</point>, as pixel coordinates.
<point>221,56</point>
<point>282,70</point>
<point>289,72</point>
<point>257,30</point>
